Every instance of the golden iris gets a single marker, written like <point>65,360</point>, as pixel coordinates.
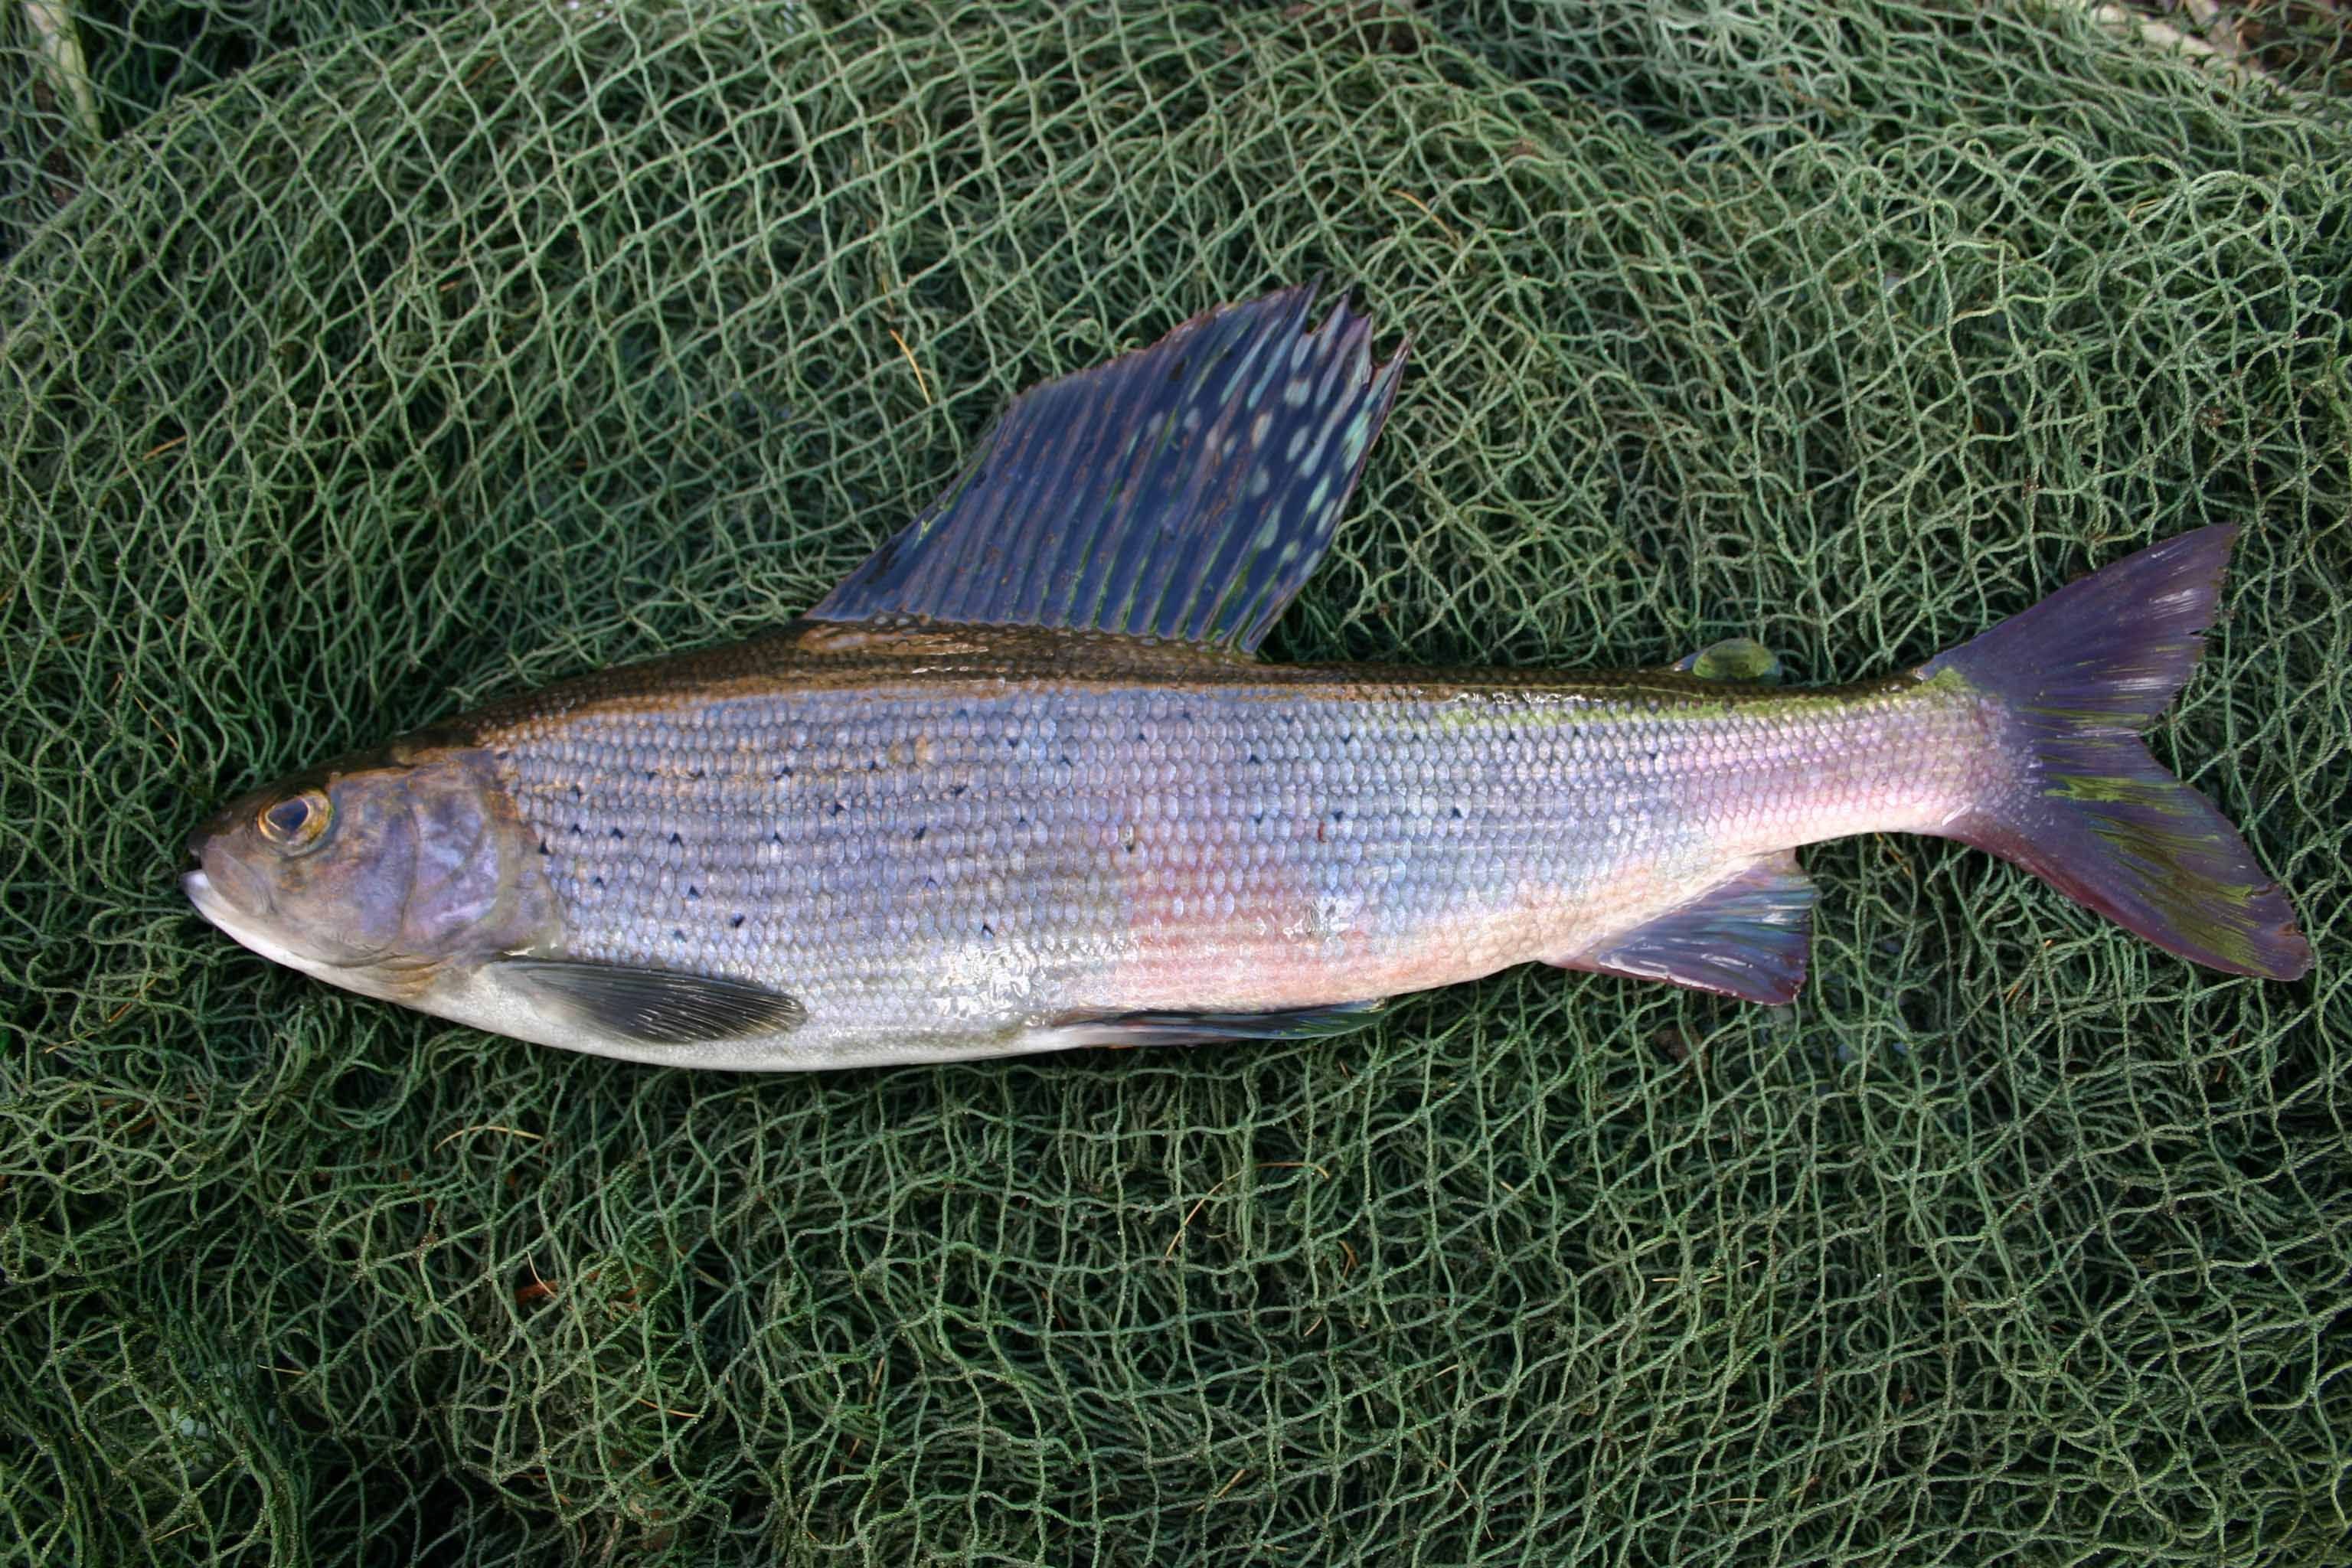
<point>297,821</point>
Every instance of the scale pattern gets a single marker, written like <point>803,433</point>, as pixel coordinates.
<point>948,866</point>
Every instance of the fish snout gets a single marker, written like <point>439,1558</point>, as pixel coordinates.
<point>219,880</point>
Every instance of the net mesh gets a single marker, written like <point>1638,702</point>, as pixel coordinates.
<point>364,361</point>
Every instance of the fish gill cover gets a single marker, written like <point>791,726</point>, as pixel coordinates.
<point>364,361</point>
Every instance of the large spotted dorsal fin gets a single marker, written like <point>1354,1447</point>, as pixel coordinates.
<point>1182,492</point>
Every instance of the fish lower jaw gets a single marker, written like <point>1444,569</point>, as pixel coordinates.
<point>407,984</point>
<point>228,919</point>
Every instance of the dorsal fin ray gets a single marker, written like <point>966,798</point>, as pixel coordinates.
<point>1184,491</point>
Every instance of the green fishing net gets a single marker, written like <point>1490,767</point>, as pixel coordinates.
<point>358,362</point>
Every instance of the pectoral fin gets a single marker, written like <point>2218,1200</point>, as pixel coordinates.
<point>1746,937</point>
<point>650,1006</point>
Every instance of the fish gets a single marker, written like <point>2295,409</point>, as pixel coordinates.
<point>1023,781</point>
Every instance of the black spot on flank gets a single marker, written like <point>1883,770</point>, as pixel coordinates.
<point>1339,816</point>
<point>575,827</point>
<point>1141,736</point>
<point>837,809</point>
<point>874,764</point>
<point>1458,814</point>
<point>1654,754</point>
<point>618,834</point>
<point>737,923</point>
<point>775,837</point>
<point>649,775</point>
<point>597,883</point>
<point>958,789</point>
<point>678,933</point>
<point>987,931</point>
<point>918,834</point>
<point>1012,742</point>
<point>575,792</point>
<point>783,772</point>
<point>692,892</point>
<point>543,849</point>
<point>1253,757</point>
<point>676,841</point>
<point>930,884</point>
<point>1068,764</point>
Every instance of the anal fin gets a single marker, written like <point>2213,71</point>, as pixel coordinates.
<point>1174,1028</point>
<point>1746,937</point>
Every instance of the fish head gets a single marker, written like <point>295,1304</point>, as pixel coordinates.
<point>390,873</point>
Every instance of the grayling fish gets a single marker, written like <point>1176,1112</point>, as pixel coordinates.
<point>1021,782</point>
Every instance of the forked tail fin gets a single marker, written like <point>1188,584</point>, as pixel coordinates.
<point>2090,811</point>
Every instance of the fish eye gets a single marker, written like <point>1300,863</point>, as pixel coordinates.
<point>297,821</point>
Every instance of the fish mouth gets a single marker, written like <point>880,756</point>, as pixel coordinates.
<point>238,927</point>
<point>199,889</point>
<point>219,913</point>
